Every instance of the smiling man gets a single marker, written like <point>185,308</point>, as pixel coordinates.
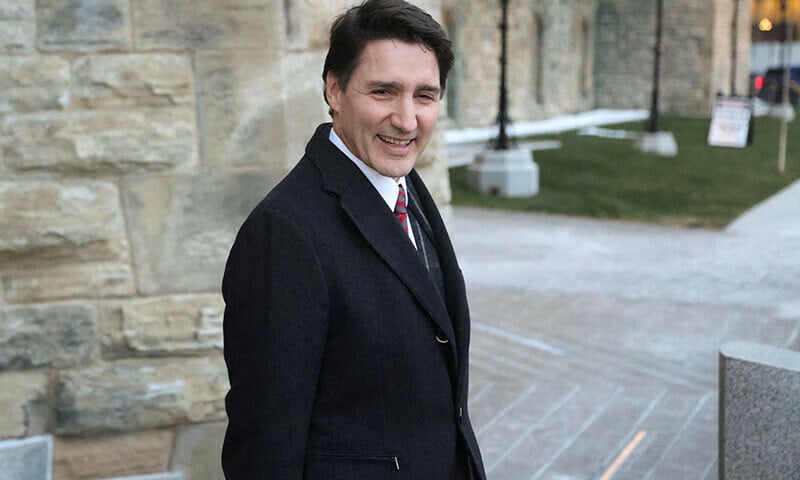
<point>346,320</point>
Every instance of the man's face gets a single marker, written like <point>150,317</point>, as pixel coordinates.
<point>389,111</point>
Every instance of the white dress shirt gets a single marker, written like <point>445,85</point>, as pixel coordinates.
<point>387,187</point>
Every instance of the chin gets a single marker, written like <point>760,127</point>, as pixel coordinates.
<point>402,172</point>
<point>396,168</point>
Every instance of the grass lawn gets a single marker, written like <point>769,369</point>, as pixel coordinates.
<point>606,178</point>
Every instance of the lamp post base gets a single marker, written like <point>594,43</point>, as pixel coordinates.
<point>660,143</point>
<point>506,173</point>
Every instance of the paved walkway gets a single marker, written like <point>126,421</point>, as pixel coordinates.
<point>595,343</point>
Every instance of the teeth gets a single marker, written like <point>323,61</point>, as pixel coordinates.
<point>394,141</point>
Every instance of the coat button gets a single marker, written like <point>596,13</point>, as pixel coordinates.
<point>442,339</point>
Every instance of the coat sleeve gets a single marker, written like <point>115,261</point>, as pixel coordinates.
<point>275,325</point>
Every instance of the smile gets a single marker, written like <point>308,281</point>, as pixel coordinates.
<point>395,141</point>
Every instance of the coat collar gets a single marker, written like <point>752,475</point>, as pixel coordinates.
<point>362,203</point>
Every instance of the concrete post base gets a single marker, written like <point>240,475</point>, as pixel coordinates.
<point>759,404</point>
<point>507,173</point>
<point>660,143</point>
<point>780,112</point>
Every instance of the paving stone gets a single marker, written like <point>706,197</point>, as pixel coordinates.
<point>592,454</point>
<point>513,418</point>
<point>633,307</point>
<point>545,440</point>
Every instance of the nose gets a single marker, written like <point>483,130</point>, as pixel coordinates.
<point>404,117</point>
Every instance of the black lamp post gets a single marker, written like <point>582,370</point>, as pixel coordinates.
<point>653,122</point>
<point>503,169</point>
<point>734,45</point>
<point>502,142</point>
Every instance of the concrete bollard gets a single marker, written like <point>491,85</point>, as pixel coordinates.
<point>759,414</point>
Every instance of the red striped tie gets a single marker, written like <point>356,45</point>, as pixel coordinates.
<point>400,209</point>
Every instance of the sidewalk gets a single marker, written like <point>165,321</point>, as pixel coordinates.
<point>778,215</point>
<point>463,145</point>
<point>595,343</point>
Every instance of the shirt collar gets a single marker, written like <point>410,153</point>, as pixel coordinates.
<point>387,187</point>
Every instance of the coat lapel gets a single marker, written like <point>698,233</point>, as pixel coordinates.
<point>455,290</point>
<point>362,203</point>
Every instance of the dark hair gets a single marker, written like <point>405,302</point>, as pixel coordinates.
<point>383,19</point>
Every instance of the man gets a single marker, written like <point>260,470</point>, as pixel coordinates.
<point>346,321</point>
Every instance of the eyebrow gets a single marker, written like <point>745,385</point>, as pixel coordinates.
<point>396,86</point>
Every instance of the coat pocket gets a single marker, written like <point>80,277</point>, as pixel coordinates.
<point>335,465</point>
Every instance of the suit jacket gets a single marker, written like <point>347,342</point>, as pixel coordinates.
<point>345,361</point>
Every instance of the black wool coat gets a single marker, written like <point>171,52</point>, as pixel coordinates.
<point>330,329</point>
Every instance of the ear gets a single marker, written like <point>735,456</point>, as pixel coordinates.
<point>332,91</point>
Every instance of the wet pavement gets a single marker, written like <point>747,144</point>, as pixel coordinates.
<point>595,343</point>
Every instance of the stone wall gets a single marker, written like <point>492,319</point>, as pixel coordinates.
<point>135,135</point>
<point>549,63</point>
<point>696,53</point>
<point>567,56</point>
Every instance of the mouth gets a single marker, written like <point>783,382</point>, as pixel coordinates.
<point>396,141</point>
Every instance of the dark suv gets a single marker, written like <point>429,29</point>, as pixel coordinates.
<point>769,87</point>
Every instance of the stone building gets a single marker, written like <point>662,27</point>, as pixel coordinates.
<point>568,56</point>
<point>550,61</point>
<point>135,135</point>
<point>705,51</point>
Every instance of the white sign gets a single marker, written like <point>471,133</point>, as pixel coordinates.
<point>730,122</point>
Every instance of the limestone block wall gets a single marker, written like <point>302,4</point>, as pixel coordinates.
<point>550,60</point>
<point>135,135</point>
<point>697,48</point>
<point>567,56</point>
